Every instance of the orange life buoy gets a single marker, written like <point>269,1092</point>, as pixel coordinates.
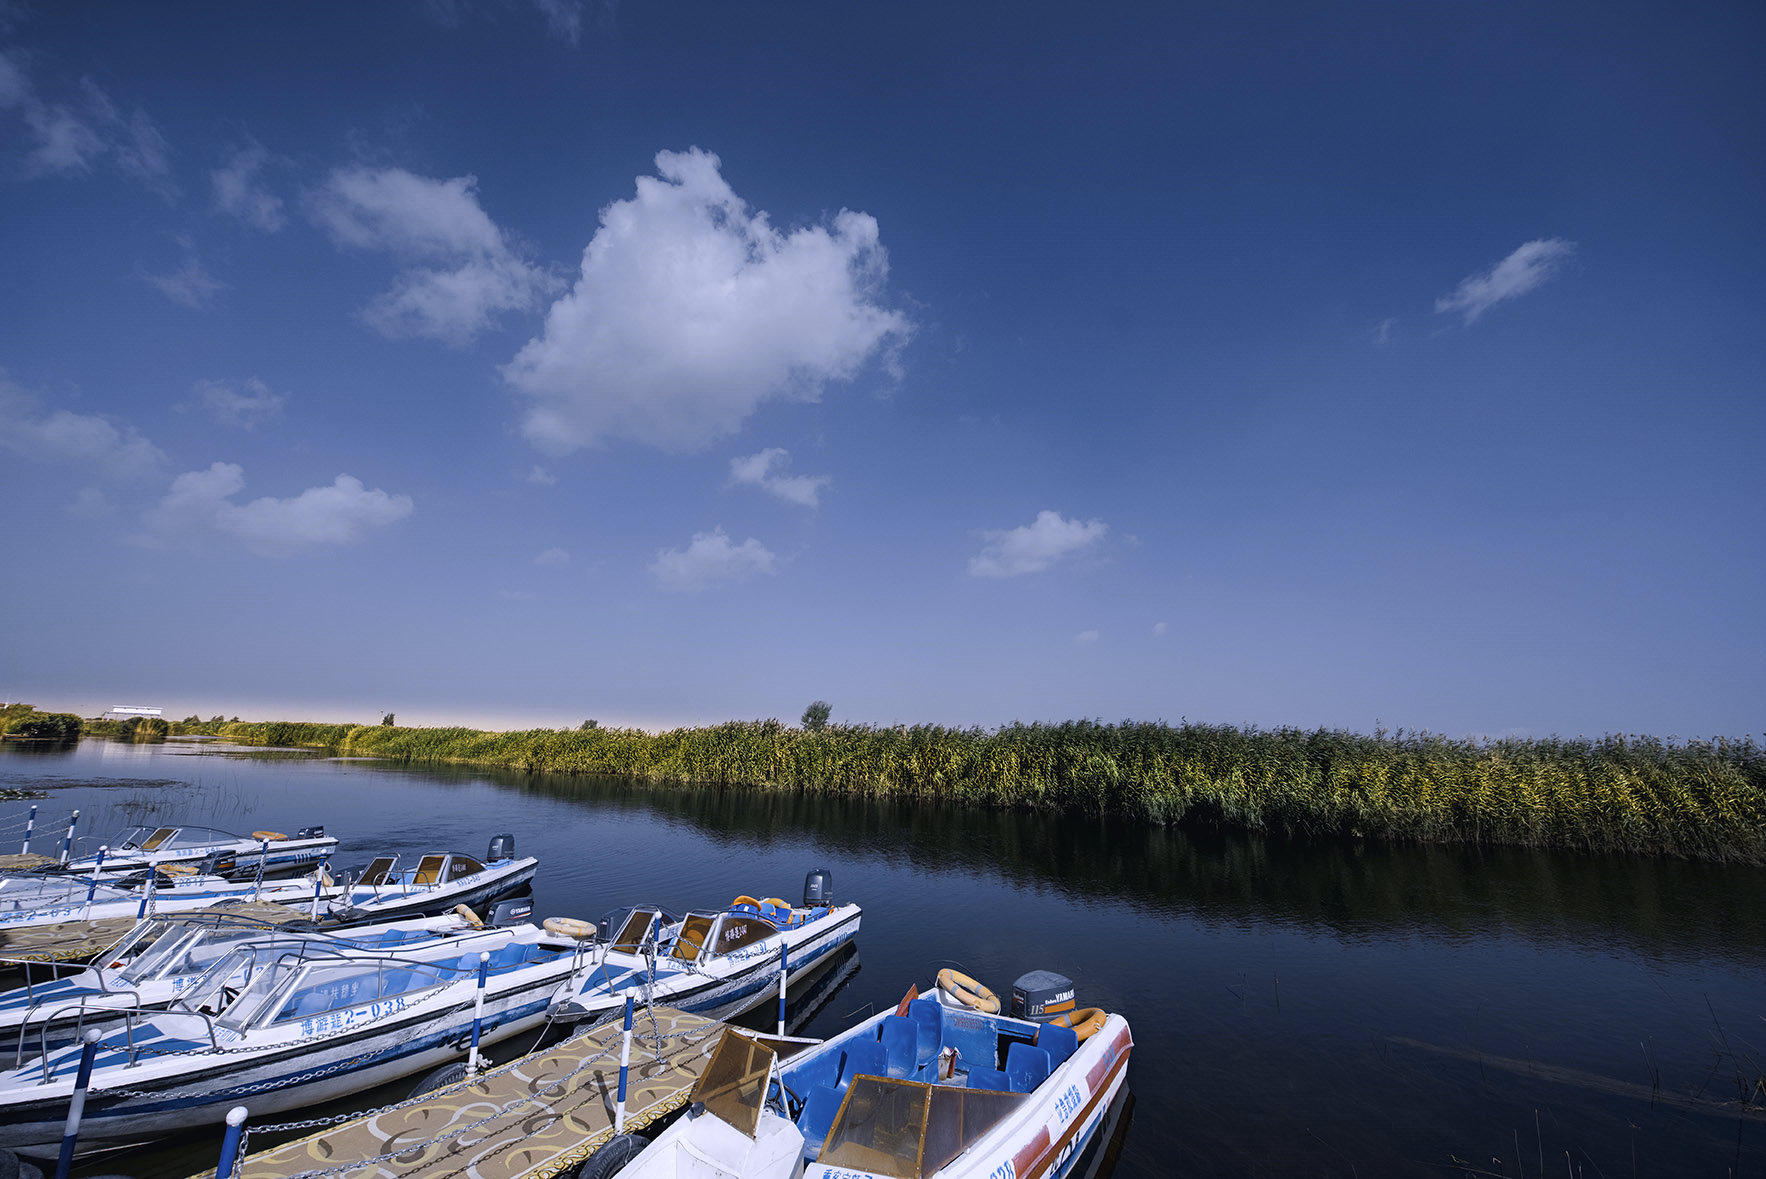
<point>966,992</point>
<point>1086,1022</point>
<point>269,836</point>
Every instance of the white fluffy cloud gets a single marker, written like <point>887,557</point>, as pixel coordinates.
<point>78,439</point>
<point>232,405</point>
<point>758,469</point>
<point>1086,638</point>
<point>552,557</point>
<point>1528,267</point>
<point>240,191</point>
<point>1036,546</point>
<point>190,284</point>
<point>68,138</point>
<point>461,269</point>
<point>692,310</point>
<point>342,513</point>
<point>708,559</point>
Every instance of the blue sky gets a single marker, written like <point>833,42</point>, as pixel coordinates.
<point>512,363</point>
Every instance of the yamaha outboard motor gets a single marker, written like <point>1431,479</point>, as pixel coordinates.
<point>310,833</point>
<point>509,912</point>
<point>502,848</point>
<point>818,889</point>
<point>1041,995</point>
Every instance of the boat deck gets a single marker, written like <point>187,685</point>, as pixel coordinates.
<point>534,1118</point>
<point>76,941</point>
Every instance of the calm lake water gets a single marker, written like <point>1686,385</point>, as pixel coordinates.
<point>1298,1008</point>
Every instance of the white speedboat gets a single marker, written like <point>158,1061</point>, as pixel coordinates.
<point>431,883</point>
<point>716,964</point>
<point>926,1090</point>
<point>262,853</point>
<point>286,1023</point>
<point>49,900</point>
<point>156,963</point>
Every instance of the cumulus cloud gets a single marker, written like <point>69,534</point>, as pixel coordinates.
<point>709,559</point>
<point>692,309</point>
<point>66,138</point>
<point>1527,268</point>
<point>201,502</point>
<point>239,190</point>
<point>563,17</point>
<point>1086,637</point>
<point>232,405</point>
<point>189,284</point>
<point>1036,546</point>
<point>540,477</point>
<point>461,270</point>
<point>552,557</point>
<point>759,470</point>
<point>1160,629</point>
<point>78,439</point>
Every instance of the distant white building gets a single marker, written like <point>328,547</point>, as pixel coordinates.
<point>125,711</point>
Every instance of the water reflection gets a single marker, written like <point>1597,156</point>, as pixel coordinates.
<point>1356,890</point>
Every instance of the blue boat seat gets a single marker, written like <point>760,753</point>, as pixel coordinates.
<point>929,1029</point>
<point>1026,1066</point>
<point>817,1118</point>
<point>1059,1042</point>
<point>801,1076</point>
<point>973,1035</point>
<point>989,1078</point>
<point>863,1056</point>
<point>900,1039</point>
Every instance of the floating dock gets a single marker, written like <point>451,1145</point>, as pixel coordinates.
<point>534,1118</point>
<point>76,941</point>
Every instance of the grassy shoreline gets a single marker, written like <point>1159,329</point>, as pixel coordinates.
<point>1698,800</point>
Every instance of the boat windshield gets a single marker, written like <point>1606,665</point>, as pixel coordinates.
<point>243,983</point>
<point>153,841</point>
<point>691,938</point>
<point>200,837</point>
<point>735,930</point>
<point>909,1129</point>
<point>131,837</point>
<point>631,935</point>
<point>734,1084</point>
<point>192,950</point>
<point>428,870</point>
<point>333,986</point>
<point>378,872</point>
<point>459,866</point>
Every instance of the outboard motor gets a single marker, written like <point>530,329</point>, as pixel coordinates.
<point>818,889</point>
<point>510,912</point>
<point>502,848</point>
<point>1041,995</point>
<point>310,833</point>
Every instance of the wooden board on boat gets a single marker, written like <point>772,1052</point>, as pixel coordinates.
<point>534,1118</point>
<point>76,941</point>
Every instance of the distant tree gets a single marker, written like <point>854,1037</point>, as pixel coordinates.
<point>233,721</point>
<point>815,717</point>
<point>216,720</point>
<point>591,723</point>
<point>192,719</point>
<point>387,719</point>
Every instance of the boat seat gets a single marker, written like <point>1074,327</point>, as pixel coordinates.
<point>777,914</point>
<point>1059,1042</point>
<point>1026,1067</point>
<point>867,1057</point>
<point>817,1118</point>
<point>900,1045</point>
<point>515,954</point>
<point>822,1069</point>
<point>989,1078</point>
<point>973,1035</point>
<point>929,1028</point>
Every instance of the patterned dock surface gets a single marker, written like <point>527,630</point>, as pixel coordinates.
<point>75,941</point>
<point>534,1118</point>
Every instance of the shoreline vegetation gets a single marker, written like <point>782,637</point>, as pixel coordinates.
<point>1703,800</point>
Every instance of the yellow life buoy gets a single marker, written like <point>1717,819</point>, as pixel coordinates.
<point>569,927</point>
<point>177,869</point>
<point>967,992</point>
<point>465,913</point>
<point>271,836</point>
<point>1086,1022</point>
<point>744,900</point>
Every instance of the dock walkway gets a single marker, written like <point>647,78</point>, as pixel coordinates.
<point>534,1118</point>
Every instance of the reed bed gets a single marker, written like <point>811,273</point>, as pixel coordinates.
<point>1698,799</point>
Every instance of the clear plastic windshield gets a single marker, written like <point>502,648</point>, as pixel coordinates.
<point>733,1086</point>
<point>631,935</point>
<point>909,1129</point>
<point>193,952</point>
<point>130,838</point>
<point>52,893</point>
